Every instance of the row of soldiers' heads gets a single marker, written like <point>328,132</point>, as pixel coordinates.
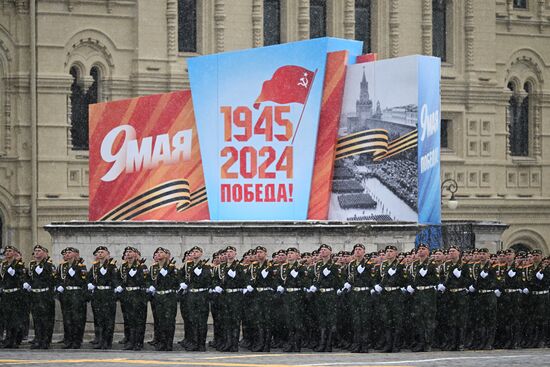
<point>11,253</point>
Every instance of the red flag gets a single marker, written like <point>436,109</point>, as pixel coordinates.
<point>289,83</point>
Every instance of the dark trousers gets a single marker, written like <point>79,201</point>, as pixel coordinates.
<point>43,316</point>
<point>166,307</point>
<point>424,308</point>
<point>13,317</point>
<point>74,316</point>
<point>104,306</point>
<point>198,308</point>
<point>135,309</point>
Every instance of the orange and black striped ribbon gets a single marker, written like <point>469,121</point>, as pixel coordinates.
<point>175,191</point>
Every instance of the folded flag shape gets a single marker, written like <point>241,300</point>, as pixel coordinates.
<point>289,84</point>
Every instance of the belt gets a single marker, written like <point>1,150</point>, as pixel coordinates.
<point>264,289</point>
<point>537,293</point>
<point>290,290</point>
<point>164,292</point>
<point>486,290</point>
<point>391,289</point>
<point>425,287</point>
<point>41,290</point>
<point>132,288</point>
<point>512,290</point>
<point>360,289</point>
<point>197,290</point>
<point>72,288</point>
<point>11,290</point>
<point>323,290</point>
<point>455,290</point>
<point>233,290</point>
<point>103,287</point>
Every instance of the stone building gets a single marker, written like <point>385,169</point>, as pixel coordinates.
<point>57,56</point>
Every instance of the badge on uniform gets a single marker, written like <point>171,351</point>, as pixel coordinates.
<point>11,271</point>
<point>163,272</point>
<point>391,272</point>
<point>483,274</point>
<point>132,272</point>
<point>326,272</point>
<point>360,269</point>
<point>265,273</point>
<point>197,271</point>
<point>71,272</point>
<point>511,273</point>
<point>39,270</point>
<point>457,273</point>
<point>231,273</point>
<point>103,271</point>
<point>294,273</point>
<point>423,272</point>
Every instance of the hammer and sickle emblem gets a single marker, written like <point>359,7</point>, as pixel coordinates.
<point>304,81</point>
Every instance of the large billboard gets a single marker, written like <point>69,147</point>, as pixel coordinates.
<point>297,131</point>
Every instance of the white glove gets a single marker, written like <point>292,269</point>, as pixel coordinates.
<point>294,273</point>
<point>91,287</point>
<point>326,272</point>
<point>338,292</point>
<point>483,274</point>
<point>151,290</point>
<point>39,270</point>
<point>132,272</point>
<point>265,273</point>
<point>360,269</point>
<point>103,271</point>
<point>163,272</point>
<point>183,286</point>
<point>313,289</point>
<point>232,273</point>
<point>218,289</point>
<point>497,292</point>
<point>391,272</point>
<point>525,291</point>
<point>457,273</point>
<point>280,289</point>
<point>27,286</point>
<point>118,289</point>
<point>423,272</point>
<point>60,289</point>
<point>197,271</point>
<point>245,290</point>
<point>539,275</point>
<point>441,287</point>
<point>347,285</point>
<point>511,273</point>
<point>11,271</point>
<point>249,288</point>
<point>403,290</point>
<point>71,272</point>
<point>372,291</point>
<point>471,289</point>
<point>410,289</point>
<point>378,288</point>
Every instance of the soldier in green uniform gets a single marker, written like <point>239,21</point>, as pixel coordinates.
<point>279,330</point>
<point>12,276</point>
<point>538,283</point>
<point>133,275</point>
<point>422,284</point>
<point>71,282</point>
<point>248,299</point>
<point>441,316</point>
<point>325,284</point>
<point>392,279</point>
<point>103,283</point>
<point>215,305</point>
<point>230,284</point>
<point>163,283</point>
<point>511,298</point>
<point>196,280</point>
<point>65,255</point>
<point>359,283</point>
<point>41,284</point>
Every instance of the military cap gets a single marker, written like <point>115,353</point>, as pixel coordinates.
<point>233,248</point>
<point>99,248</point>
<point>197,248</point>
<point>305,254</point>
<point>390,247</point>
<point>314,252</point>
<point>40,247</point>
<point>161,249</point>
<point>455,247</point>
<point>435,251</point>
<point>475,251</point>
<point>340,253</point>
<point>536,252</point>
<point>484,250</point>
<point>281,252</point>
<point>10,247</point>
<point>358,245</point>
<point>422,244</point>
<point>73,249</point>
<point>324,245</point>
<point>64,251</point>
<point>510,251</point>
<point>292,249</point>
<point>261,248</point>
<point>274,254</point>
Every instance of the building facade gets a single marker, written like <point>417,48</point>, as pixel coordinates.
<point>58,56</point>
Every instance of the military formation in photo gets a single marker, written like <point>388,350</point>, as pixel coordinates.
<point>290,301</point>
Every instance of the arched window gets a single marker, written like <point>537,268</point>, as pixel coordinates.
<point>518,115</point>
<point>272,22</point>
<point>80,100</point>
<point>187,25</point>
<point>317,18</point>
<point>363,23</point>
<point>439,29</point>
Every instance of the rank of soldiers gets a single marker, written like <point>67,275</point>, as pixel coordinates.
<point>355,301</point>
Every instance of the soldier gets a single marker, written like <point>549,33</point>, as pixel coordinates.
<point>392,279</point>
<point>359,283</point>
<point>247,311</point>
<point>511,300</point>
<point>163,283</point>
<point>65,255</point>
<point>103,283</point>
<point>231,282</point>
<point>134,274</point>
<point>196,280</point>
<point>215,305</point>
<point>456,281</point>
<point>41,284</point>
<point>326,282</point>
<point>538,283</point>
<point>71,280</point>
<point>184,311</point>
<point>291,281</point>
<point>262,282</point>
<point>12,276</point>
<point>423,283</point>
